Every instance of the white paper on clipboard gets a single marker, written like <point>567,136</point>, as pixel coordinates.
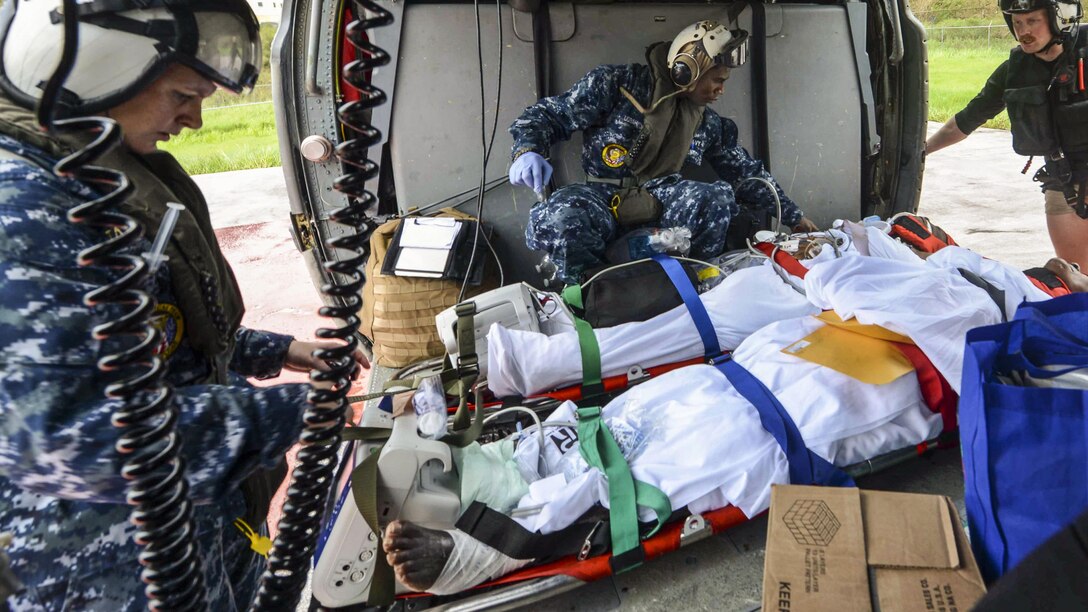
<point>429,232</point>
<point>429,263</point>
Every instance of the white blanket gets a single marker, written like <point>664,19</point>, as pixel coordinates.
<point>1013,282</point>
<point>932,305</point>
<point>690,434</point>
<point>523,362</point>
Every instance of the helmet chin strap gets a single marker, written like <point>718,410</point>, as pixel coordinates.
<point>1054,40</point>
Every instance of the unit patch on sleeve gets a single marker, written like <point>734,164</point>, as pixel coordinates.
<point>168,320</point>
<point>614,155</point>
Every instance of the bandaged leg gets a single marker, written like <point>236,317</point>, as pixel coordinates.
<point>490,475</point>
<point>440,561</point>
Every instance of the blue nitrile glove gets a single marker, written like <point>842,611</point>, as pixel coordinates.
<point>531,170</point>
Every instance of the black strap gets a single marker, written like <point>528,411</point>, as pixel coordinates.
<point>996,294</point>
<point>157,29</point>
<point>758,59</point>
<point>542,44</point>
<point>508,537</point>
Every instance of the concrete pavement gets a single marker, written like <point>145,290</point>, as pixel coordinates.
<point>974,190</point>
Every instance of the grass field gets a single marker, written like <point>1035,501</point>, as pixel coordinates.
<point>233,137</point>
<point>956,74</point>
<point>244,137</point>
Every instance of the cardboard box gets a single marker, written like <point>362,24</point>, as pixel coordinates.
<point>846,549</point>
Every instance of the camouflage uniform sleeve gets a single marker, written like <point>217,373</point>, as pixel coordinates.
<point>734,164</point>
<point>259,354</point>
<point>553,119</point>
<point>56,435</point>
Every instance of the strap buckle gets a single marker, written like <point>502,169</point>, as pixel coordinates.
<point>590,412</point>
<point>587,545</point>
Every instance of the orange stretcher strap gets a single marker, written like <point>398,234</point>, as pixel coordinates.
<point>788,262</point>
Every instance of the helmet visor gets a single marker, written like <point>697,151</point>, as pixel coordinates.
<point>228,50</point>
<point>735,53</point>
<point>1011,7</point>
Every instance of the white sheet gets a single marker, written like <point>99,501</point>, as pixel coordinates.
<point>933,306</point>
<point>1013,282</point>
<point>523,363</point>
<point>703,443</point>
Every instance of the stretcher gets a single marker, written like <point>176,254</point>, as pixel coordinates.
<point>549,579</point>
<point>535,583</point>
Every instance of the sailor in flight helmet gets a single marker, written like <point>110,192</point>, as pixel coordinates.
<point>148,64</point>
<point>1043,85</point>
<point>641,124</point>
<point>1063,16</point>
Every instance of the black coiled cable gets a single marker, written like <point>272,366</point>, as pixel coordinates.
<point>312,479</point>
<point>147,418</point>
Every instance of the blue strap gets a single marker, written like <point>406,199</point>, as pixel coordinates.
<point>695,305</point>
<point>806,467</point>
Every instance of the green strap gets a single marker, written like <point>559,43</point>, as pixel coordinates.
<point>365,434</point>
<point>587,343</point>
<point>364,488</point>
<point>460,379</point>
<point>600,450</point>
<point>461,438</point>
<point>391,387</point>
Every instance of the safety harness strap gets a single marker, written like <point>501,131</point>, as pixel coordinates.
<point>805,467</point>
<point>936,392</point>
<point>996,293</point>
<point>507,536</point>
<point>587,342</point>
<point>460,379</point>
<point>1047,282</point>
<point>461,438</point>
<point>919,233</point>
<point>600,450</point>
<point>695,307</point>
<point>364,488</point>
<point>788,262</point>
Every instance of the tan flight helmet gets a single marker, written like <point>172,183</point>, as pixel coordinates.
<point>701,46</point>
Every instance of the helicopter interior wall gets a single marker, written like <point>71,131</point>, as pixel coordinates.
<point>814,102</point>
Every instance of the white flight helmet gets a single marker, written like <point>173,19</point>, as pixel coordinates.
<point>702,45</point>
<point>123,46</point>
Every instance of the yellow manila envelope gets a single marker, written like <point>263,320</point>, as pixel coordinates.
<point>862,352</point>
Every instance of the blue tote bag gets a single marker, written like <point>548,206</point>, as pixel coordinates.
<point>1025,448</point>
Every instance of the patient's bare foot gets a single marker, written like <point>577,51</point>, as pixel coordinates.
<point>416,554</point>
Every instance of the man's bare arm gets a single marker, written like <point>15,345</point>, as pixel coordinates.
<point>948,135</point>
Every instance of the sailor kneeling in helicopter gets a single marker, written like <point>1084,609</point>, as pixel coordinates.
<point>642,123</point>
<point>842,415</point>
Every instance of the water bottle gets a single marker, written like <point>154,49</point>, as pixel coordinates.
<point>653,240</point>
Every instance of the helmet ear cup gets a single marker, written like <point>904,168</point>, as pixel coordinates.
<point>684,71</point>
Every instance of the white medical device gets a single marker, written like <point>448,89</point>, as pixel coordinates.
<point>512,306</point>
<point>416,482</point>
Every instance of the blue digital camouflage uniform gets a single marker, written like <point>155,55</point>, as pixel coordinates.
<point>574,225</point>
<point>60,491</point>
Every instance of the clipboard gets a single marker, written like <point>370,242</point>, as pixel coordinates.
<point>437,247</point>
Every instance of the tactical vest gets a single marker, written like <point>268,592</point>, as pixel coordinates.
<point>204,286</point>
<point>1047,110</point>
